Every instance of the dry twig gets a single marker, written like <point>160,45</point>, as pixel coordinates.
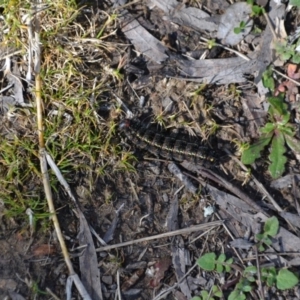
<point>162,235</point>
<point>43,161</point>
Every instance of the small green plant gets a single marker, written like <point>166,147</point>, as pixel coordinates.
<point>234,91</point>
<point>240,28</point>
<point>282,278</point>
<point>126,162</point>
<point>240,146</point>
<point>205,295</point>
<point>268,275</point>
<point>211,43</point>
<point>36,290</point>
<point>256,30</point>
<point>268,80</point>
<point>288,51</point>
<point>210,262</point>
<point>257,10</point>
<point>271,228</point>
<point>278,132</point>
<point>160,119</point>
<point>199,90</point>
<point>110,19</point>
<point>239,293</point>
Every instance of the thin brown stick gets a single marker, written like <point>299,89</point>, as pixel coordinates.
<point>261,290</point>
<point>270,25</point>
<point>286,77</point>
<point>272,253</point>
<point>162,235</point>
<point>45,174</point>
<point>35,42</point>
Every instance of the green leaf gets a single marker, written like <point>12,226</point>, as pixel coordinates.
<point>267,241</point>
<point>268,128</point>
<point>256,30</point>
<point>266,271</point>
<point>237,30</point>
<point>268,80</point>
<point>257,10</point>
<point>217,292</point>
<point>228,264</point>
<point>280,46</point>
<point>269,275</point>
<point>286,56</point>
<point>284,119</point>
<point>285,50</point>
<point>215,288</point>
<point>296,57</point>
<point>278,104</point>
<point>221,258</point>
<point>286,279</point>
<point>253,152</point>
<point>236,295</point>
<point>293,143</point>
<point>227,268</point>
<point>261,248</point>
<point>259,236</point>
<point>207,261</point>
<point>271,281</point>
<point>247,288</point>
<point>240,284</point>
<point>204,294</point>
<point>277,158</point>
<point>219,268</point>
<point>250,270</point>
<point>287,129</point>
<point>271,226</point>
<point>251,278</point>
